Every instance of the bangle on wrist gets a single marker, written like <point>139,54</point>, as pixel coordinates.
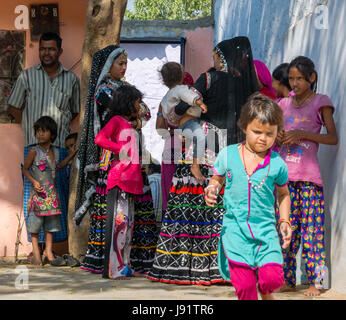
<point>160,114</point>
<point>284,220</point>
<point>213,186</point>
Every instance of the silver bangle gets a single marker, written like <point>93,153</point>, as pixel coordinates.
<point>213,185</point>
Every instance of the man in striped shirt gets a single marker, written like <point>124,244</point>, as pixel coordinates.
<point>47,89</point>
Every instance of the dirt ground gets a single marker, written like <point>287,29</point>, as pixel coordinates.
<point>28,282</point>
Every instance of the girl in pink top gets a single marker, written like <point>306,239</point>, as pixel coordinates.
<point>305,114</point>
<point>123,182</point>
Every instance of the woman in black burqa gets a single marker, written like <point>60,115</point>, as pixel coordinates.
<point>188,242</point>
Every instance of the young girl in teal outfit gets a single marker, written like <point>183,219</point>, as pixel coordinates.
<point>251,170</point>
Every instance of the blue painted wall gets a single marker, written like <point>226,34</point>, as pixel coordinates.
<point>279,30</point>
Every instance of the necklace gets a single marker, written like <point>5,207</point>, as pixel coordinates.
<point>44,149</point>
<point>249,179</point>
<point>254,153</point>
<point>299,104</point>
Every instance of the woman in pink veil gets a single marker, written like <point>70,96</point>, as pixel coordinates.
<point>264,79</point>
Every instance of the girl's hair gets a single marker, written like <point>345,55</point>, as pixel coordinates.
<point>307,68</point>
<point>171,73</point>
<point>280,73</point>
<point>47,123</point>
<point>123,102</point>
<point>262,108</point>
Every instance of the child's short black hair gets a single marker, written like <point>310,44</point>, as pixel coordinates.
<point>280,73</point>
<point>47,123</point>
<point>47,36</point>
<point>123,102</point>
<point>264,109</point>
<point>307,68</point>
<point>72,136</point>
<point>172,73</point>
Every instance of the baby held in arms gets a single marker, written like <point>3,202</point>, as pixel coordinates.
<point>173,74</point>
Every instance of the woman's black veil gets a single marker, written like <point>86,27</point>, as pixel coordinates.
<point>237,58</point>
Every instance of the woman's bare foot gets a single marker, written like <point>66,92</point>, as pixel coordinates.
<point>138,275</point>
<point>312,291</point>
<point>122,278</point>
<point>195,170</point>
<point>286,288</point>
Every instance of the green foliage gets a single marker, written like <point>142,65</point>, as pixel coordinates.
<point>169,9</point>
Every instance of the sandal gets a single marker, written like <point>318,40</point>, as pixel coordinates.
<point>57,262</point>
<point>70,260</point>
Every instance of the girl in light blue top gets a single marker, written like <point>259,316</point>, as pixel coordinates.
<point>249,241</point>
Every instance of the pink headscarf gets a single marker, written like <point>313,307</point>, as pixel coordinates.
<point>264,75</point>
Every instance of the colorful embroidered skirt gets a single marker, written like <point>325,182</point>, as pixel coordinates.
<point>144,237</point>
<point>188,242</point>
<point>94,258</point>
<point>144,234</point>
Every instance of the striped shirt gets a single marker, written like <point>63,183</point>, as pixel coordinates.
<point>39,97</point>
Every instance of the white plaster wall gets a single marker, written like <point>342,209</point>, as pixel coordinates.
<point>144,62</point>
<point>146,59</point>
<point>279,30</point>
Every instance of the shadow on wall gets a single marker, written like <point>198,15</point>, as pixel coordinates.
<point>265,24</point>
<point>335,184</point>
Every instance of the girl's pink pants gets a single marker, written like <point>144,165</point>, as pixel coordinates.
<point>244,280</point>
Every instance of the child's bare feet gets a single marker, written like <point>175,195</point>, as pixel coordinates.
<point>312,291</point>
<point>49,255</point>
<point>286,288</point>
<point>195,170</point>
<point>29,257</point>
<point>36,260</point>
